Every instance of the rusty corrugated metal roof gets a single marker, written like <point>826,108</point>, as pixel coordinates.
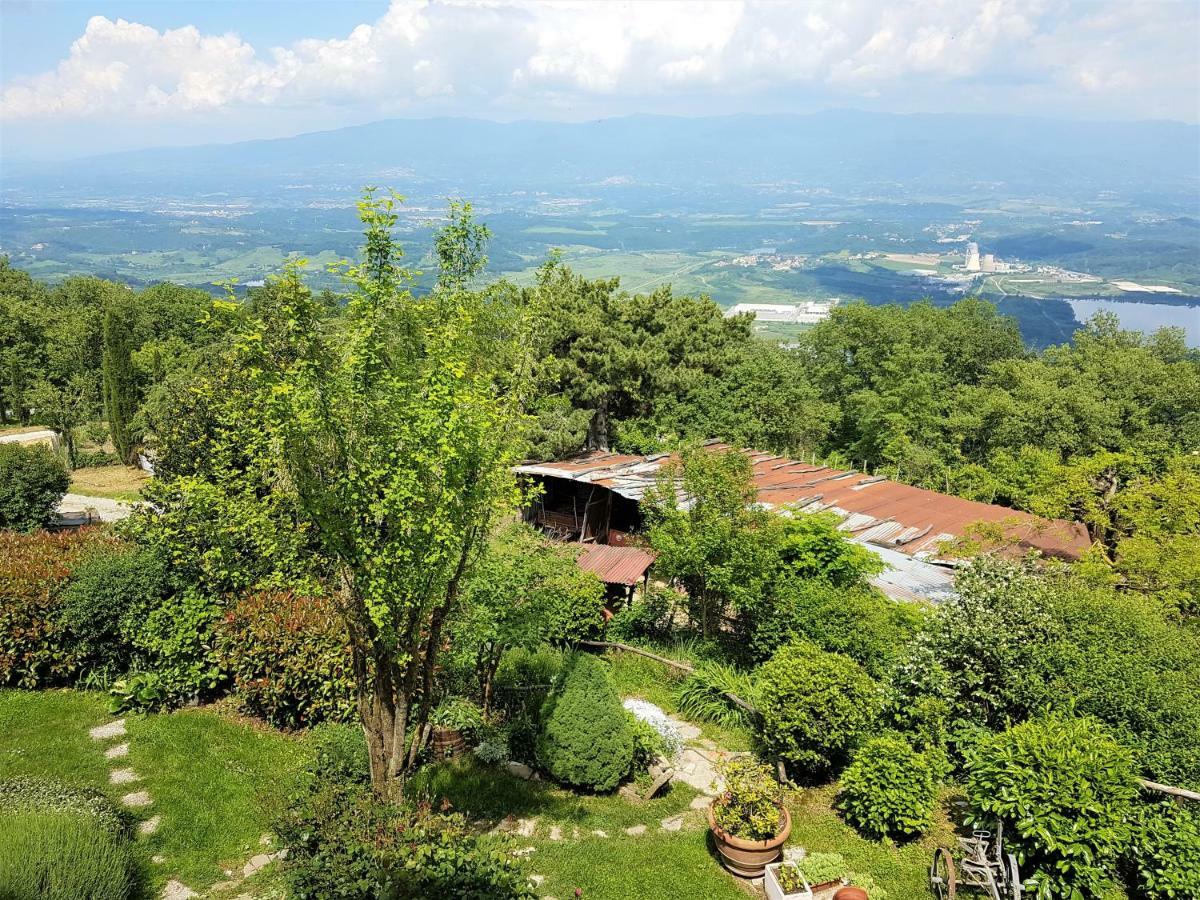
<point>874,510</point>
<point>615,565</point>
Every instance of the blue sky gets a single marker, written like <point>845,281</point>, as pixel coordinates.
<point>89,76</point>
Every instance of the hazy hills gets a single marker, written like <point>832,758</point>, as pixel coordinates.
<point>842,151</point>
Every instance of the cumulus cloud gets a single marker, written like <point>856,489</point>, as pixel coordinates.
<point>517,55</point>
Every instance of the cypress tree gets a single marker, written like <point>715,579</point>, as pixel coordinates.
<point>120,385</point>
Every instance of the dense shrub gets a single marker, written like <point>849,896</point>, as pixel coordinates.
<point>854,620</point>
<point>107,586</point>
<point>35,646</point>
<point>646,619</point>
<point>889,789</point>
<point>1063,789</point>
<point>177,642</point>
<point>524,678</point>
<point>460,714</point>
<point>814,705</point>
<point>340,753</point>
<point>1165,857</point>
<point>49,795</point>
<point>63,856</point>
<point>32,481</point>
<point>289,657</point>
<point>751,806</point>
<point>343,844</point>
<point>586,739</point>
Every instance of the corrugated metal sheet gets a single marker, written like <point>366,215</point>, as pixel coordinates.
<point>876,511</point>
<point>615,565</point>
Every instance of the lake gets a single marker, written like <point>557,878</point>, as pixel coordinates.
<point>1145,317</point>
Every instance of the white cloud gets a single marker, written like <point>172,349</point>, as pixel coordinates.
<point>472,56</point>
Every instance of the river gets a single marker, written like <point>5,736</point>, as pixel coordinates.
<point>1145,317</point>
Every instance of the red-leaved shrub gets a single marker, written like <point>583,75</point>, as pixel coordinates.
<point>289,657</point>
<point>35,646</point>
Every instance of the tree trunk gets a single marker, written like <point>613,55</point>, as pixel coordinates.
<point>597,438</point>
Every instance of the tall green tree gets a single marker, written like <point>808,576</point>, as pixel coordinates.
<point>395,429</point>
<point>120,382</point>
<point>703,525</point>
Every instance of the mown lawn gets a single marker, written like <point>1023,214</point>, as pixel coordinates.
<point>113,482</point>
<point>216,781</point>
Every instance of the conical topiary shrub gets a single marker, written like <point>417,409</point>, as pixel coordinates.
<point>587,736</point>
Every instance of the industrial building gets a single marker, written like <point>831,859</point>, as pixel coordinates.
<point>595,499</point>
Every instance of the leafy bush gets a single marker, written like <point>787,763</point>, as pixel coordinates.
<point>751,806</point>
<point>35,646</point>
<point>648,746</point>
<point>889,789</point>
<point>340,753</point>
<point>1063,789</point>
<point>63,856</point>
<point>32,481</point>
<point>586,739</point>
<point>704,695</point>
<point>460,714</point>
<point>289,657</point>
<point>647,619</point>
<point>105,586</point>
<point>141,691</point>
<point>854,620</point>
<point>524,678</point>
<point>1165,856</point>
<point>177,642</point>
<point>814,705</point>
<point>91,458</point>
<point>50,795</point>
<point>343,844</point>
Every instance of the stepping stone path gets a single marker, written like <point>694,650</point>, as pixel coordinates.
<point>117,752</point>
<point>177,890</point>
<point>555,833</point>
<point>109,731</point>
<point>636,829</point>
<point>137,799</point>
<point>150,825</point>
<point>674,823</point>
<point>526,827</point>
<point>123,776</point>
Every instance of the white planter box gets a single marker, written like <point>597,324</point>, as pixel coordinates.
<point>775,892</point>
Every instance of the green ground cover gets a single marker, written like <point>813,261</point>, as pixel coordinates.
<point>216,781</point>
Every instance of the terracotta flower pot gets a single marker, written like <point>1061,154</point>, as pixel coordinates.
<point>851,892</point>
<point>748,858</point>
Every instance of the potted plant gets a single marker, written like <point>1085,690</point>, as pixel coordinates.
<point>824,870</point>
<point>454,721</point>
<point>748,820</point>
<point>785,881</point>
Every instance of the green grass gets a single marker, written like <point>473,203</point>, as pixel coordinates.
<point>44,733</point>
<point>217,782</point>
<point>217,785</point>
<point>488,795</point>
<point>659,867</point>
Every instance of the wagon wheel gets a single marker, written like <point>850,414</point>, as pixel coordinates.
<point>943,879</point>
<point>1014,877</point>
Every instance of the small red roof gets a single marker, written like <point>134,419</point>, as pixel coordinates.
<point>615,565</point>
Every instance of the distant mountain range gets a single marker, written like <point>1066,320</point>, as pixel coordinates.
<point>918,156</point>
